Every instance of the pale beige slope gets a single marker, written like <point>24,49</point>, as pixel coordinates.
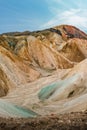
<point>27,94</point>
<point>69,96</point>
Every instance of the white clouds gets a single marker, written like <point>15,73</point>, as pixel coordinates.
<point>76,17</point>
<point>69,12</point>
<point>55,4</point>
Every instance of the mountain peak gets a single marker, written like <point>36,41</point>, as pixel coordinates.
<point>71,31</point>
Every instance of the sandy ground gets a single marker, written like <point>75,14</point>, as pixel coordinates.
<point>70,121</point>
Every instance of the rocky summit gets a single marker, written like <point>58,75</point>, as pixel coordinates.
<point>43,72</point>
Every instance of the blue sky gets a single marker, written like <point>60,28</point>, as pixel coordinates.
<point>21,15</point>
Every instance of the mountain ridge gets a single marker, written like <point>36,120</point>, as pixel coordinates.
<point>32,63</point>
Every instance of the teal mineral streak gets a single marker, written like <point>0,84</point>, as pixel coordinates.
<point>47,91</point>
<point>12,110</point>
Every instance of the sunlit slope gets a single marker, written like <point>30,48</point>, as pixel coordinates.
<point>43,71</point>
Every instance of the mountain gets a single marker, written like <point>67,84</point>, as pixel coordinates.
<point>43,72</point>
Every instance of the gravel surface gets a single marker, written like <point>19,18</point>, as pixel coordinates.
<point>70,121</point>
